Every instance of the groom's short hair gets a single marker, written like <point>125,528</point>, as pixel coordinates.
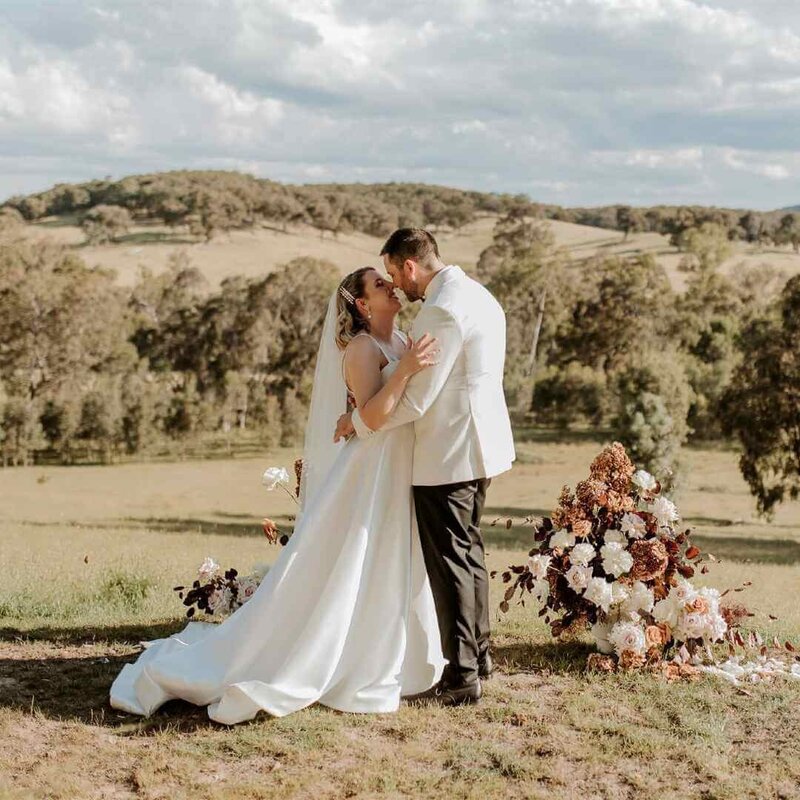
<point>414,243</point>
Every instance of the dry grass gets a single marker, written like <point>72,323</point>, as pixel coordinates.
<point>256,252</point>
<point>545,729</point>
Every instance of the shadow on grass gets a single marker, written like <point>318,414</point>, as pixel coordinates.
<point>77,690</point>
<point>154,237</point>
<point>524,432</point>
<point>192,525</point>
<point>556,656</point>
<point>92,634</point>
<point>763,551</point>
<point>518,536</point>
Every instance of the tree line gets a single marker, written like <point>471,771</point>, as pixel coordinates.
<point>207,203</point>
<point>89,367</point>
<point>609,343</point>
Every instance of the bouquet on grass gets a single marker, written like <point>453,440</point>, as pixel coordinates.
<point>612,558</point>
<point>219,593</point>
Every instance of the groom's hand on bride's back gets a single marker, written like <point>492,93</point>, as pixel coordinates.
<point>344,427</point>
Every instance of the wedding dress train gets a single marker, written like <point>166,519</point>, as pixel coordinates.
<point>345,617</point>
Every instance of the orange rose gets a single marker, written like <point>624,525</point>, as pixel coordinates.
<point>699,605</point>
<point>656,635</point>
<point>270,530</point>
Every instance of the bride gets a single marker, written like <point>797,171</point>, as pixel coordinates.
<point>345,617</point>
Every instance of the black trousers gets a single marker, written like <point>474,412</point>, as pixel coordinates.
<point>449,527</point>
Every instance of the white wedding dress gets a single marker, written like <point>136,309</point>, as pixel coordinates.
<point>345,617</point>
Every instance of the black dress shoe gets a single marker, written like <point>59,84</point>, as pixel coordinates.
<point>485,666</point>
<point>443,694</point>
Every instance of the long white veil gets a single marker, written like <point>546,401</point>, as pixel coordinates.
<point>328,403</point>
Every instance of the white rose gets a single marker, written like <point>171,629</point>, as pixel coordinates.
<point>599,592</point>
<point>692,626</point>
<point>619,593</point>
<point>600,632</point>
<point>667,610</point>
<point>613,535</point>
<point>644,480</point>
<point>640,599</point>
<point>664,511</point>
<point>717,628</point>
<point>616,559</point>
<point>207,569</point>
<point>578,577</point>
<point>273,476</point>
<point>582,554</point>
<point>538,565</point>
<point>712,597</point>
<point>562,539</point>
<point>627,637</point>
<point>683,592</point>
<point>633,526</point>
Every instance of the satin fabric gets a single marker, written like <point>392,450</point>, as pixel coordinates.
<point>344,618</point>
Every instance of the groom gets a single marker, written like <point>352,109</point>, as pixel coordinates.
<point>462,439</point>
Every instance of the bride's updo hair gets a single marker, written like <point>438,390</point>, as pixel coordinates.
<point>349,321</point>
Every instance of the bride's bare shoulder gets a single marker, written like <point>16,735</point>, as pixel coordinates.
<point>362,348</point>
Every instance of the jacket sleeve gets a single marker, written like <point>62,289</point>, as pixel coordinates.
<point>424,387</point>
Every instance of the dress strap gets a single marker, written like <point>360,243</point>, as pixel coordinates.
<point>382,347</point>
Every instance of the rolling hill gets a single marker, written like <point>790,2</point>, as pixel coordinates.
<point>259,250</point>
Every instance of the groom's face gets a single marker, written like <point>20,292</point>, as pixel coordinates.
<point>404,277</point>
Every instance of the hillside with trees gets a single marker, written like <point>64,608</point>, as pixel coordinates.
<point>601,333</point>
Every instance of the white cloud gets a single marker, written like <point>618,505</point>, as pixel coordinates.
<point>574,101</point>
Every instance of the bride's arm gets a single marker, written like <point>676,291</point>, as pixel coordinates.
<point>362,364</point>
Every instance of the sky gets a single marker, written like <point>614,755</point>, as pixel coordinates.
<point>576,102</point>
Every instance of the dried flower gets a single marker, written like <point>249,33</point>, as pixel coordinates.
<point>613,467</point>
<point>650,559</point>
<point>298,474</point>
<point>582,527</point>
<point>596,662</point>
<point>630,660</point>
<point>733,614</point>
<point>587,494</point>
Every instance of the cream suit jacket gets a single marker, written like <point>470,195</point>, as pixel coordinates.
<point>461,423</point>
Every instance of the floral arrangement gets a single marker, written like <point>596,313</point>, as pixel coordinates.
<point>612,558</point>
<point>219,593</point>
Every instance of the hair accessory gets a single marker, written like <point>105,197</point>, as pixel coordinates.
<point>347,296</point>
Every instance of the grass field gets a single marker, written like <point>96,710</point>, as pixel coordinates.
<point>89,555</point>
<point>258,251</point>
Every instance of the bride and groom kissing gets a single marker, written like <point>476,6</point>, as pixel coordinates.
<point>382,591</point>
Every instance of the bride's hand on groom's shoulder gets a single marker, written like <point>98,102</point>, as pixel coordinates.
<point>344,427</point>
<point>420,354</point>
